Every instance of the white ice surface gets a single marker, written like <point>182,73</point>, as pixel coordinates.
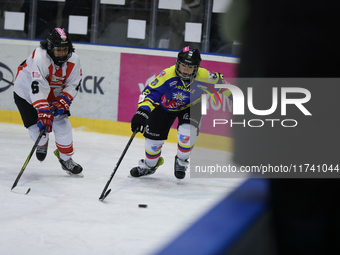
<point>62,214</point>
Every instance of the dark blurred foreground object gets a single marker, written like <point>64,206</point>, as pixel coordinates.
<point>293,39</point>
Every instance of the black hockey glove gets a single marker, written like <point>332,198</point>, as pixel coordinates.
<point>138,121</point>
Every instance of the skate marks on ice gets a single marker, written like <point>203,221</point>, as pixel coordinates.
<point>62,215</point>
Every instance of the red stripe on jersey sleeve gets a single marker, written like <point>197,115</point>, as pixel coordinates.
<point>33,54</point>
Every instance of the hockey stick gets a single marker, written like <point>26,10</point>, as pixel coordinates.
<point>26,162</point>
<point>106,193</point>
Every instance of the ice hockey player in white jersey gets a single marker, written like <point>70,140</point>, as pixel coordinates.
<point>45,86</point>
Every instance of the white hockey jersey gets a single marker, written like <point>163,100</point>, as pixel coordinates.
<point>39,80</point>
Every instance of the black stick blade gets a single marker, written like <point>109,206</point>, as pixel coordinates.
<point>104,195</point>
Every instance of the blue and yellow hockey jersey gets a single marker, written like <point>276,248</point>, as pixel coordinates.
<point>173,94</point>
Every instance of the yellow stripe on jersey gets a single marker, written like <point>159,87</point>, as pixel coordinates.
<point>163,77</point>
<point>217,78</point>
<point>149,104</point>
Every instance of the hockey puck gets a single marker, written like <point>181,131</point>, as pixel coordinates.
<point>142,206</point>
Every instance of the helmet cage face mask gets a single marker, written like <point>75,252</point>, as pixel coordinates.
<point>58,37</point>
<point>190,57</point>
<point>182,75</point>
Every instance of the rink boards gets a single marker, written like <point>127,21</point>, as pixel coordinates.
<point>113,78</point>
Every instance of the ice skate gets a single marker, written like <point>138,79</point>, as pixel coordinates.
<point>72,168</point>
<point>42,152</point>
<point>180,167</point>
<point>143,169</point>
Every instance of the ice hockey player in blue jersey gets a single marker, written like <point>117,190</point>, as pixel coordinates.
<point>174,93</point>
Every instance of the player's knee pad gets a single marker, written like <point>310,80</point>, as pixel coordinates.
<point>153,148</point>
<point>186,135</point>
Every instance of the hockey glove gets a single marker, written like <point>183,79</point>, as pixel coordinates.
<point>45,119</point>
<point>60,105</point>
<point>138,121</point>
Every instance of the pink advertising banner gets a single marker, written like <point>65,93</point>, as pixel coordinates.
<point>137,70</point>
